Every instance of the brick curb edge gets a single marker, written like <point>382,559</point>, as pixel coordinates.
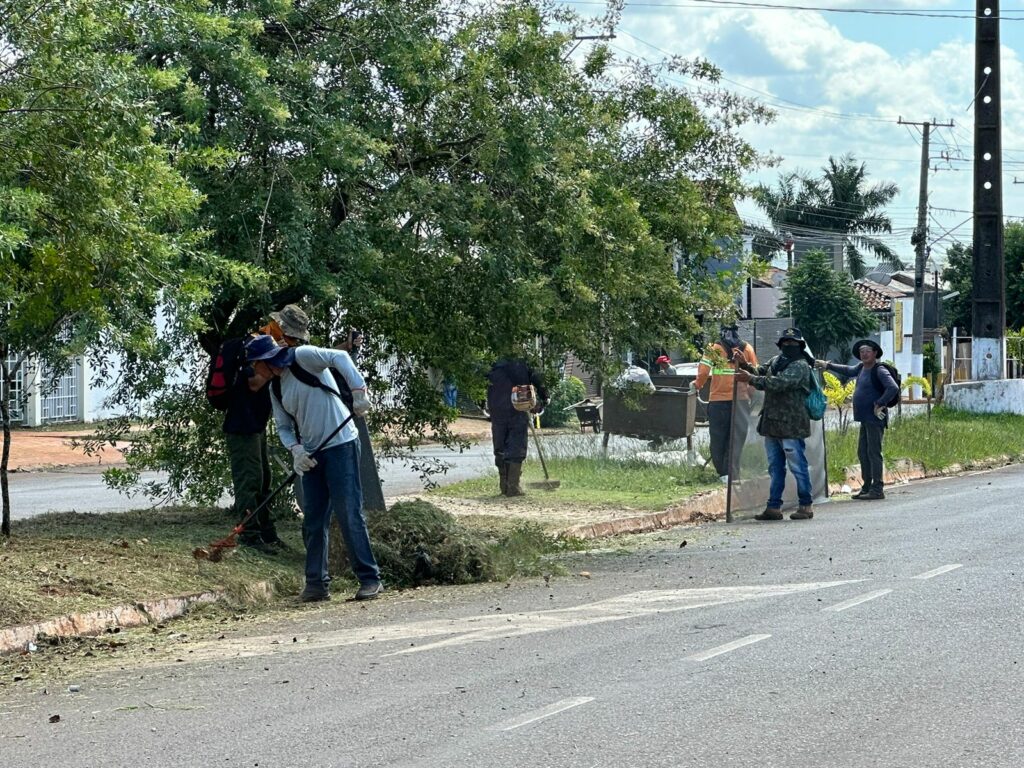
<point>17,638</point>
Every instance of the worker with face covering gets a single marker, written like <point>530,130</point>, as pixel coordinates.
<point>784,423</point>
<point>718,364</point>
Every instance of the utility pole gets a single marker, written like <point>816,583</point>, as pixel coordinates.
<point>920,242</point>
<point>989,305</point>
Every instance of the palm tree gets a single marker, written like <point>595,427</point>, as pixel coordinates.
<point>836,202</point>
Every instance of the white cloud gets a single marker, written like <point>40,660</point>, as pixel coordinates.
<point>805,57</point>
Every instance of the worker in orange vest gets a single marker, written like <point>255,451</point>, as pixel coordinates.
<point>718,365</point>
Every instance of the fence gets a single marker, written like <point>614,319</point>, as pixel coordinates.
<point>43,398</point>
<point>960,359</point>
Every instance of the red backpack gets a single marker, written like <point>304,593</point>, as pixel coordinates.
<point>223,373</point>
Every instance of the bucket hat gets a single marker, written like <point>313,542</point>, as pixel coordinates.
<point>867,343</point>
<point>792,334</point>
<point>292,321</point>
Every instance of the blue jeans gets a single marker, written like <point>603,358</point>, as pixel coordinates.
<point>333,484</point>
<point>782,453</point>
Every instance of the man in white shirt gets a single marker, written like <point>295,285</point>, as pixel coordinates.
<point>308,413</point>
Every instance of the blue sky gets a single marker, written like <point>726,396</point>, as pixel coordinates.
<point>869,68</point>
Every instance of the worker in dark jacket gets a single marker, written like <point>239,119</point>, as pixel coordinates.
<point>509,427</point>
<point>875,388</point>
<point>784,421</point>
<point>245,435</point>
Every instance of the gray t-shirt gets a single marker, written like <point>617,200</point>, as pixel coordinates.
<point>316,413</point>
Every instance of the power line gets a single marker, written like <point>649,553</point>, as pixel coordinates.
<point>757,6</point>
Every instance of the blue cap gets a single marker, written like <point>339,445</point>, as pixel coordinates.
<point>264,347</point>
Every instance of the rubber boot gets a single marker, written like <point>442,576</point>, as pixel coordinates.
<point>803,512</point>
<point>503,477</point>
<point>515,474</point>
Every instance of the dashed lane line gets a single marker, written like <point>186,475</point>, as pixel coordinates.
<point>712,652</point>
<point>545,712</point>
<point>856,601</point>
<point>937,571</point>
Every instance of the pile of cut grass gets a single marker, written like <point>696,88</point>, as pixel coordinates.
<point>64,563</point>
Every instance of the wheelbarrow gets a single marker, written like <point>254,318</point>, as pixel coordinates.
<point>588,412</point>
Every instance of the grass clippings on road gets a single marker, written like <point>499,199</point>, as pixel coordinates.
<point>65,563</point>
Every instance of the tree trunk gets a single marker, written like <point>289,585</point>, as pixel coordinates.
<point>5,411</point>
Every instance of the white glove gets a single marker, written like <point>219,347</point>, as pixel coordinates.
<point>302,462</point>
<point>821,365</point>
<point>360,402</point>
<point>880,412</point>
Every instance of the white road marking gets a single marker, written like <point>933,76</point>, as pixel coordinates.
<point>743,641</point>
<point>540,714</point>
<point>857,600</point>
<point>937,571</point>
<point>440,633</point>
<point>620,608</point>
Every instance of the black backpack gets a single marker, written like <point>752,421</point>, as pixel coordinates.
<point>310,380</point>
<point>223,373</point>
<point>876,379</point>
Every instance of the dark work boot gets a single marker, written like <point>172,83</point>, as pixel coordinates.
<point>803,512</point>
<point>503,477</point>
<point>515,474</point>
<point>770,513</point>
<point>875,494</point>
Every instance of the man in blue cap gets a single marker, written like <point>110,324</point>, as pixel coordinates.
<point>308,412</point>
<point>784,423</point>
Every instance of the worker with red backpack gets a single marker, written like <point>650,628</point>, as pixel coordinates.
<point>877,389</point>
<point>233,386</point>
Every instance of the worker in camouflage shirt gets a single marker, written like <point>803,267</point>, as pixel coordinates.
<point>784,422</point>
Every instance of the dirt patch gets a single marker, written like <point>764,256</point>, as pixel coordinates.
<point>553,516</point>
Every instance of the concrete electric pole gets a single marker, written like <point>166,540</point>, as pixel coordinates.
<point>920,242</point>
<point>989,305</point>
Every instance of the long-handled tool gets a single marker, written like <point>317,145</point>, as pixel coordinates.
<point>215,551</point>
<point>547,484</point>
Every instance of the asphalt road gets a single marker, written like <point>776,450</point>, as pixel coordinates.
<point>81,489</point>
<point>877,634</point>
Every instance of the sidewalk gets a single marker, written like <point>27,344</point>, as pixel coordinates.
<point>34,450</point>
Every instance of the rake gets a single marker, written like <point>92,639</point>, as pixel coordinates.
<point>215,551</point>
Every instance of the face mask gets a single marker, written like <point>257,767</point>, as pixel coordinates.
<point>730,338</point>
<point>792,351</point>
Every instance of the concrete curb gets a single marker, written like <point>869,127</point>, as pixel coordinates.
<point>710,506</point>
<point>14,639</point>
<point>703,507</point>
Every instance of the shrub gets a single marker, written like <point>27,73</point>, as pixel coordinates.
<point>568,391</point>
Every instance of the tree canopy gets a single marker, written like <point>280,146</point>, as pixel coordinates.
<point>824,305</point>
<point>92,211</point>
<point>838,202</point>
<point>450,177</point>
